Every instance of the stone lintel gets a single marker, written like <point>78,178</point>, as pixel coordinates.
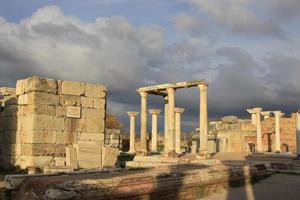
<point>132,113</point>
<point>160,89</point>
<point>179,110</point>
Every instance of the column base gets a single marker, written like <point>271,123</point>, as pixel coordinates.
<point>203,153</point>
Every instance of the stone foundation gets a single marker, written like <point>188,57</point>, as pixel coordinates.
<point>180,182</point>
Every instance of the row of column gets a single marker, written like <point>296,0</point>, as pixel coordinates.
<point>155,113</point>
<point>256,121</point>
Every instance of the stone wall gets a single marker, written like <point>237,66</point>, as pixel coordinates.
<point>287,134</point>
<point>232,134</point>
<point>238,134</point>
<point>9,139</point>
<point>49,116</point>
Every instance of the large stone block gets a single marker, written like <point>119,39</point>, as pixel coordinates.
<point>99,103</point>
<point>109,156</point>
<point>36,109</point>
<point>95,125</point>
<point>93,113</point>
<point>57,150</point>
<point>20,88</point>
<point>73,112</point>
<point>7,91</point>
<point>39,137</point>
<point>37,161</point>
<point>37,84</point>
<point>69,100</point>
<point>89,154</point>
<point>87,102</point>
<point>65,137</point>
<point>41,122</point>
<point>72,88</point>
<point>94,90</point>
<point>71,157</point>
<point>75,125</point>
<point>61,111</point>
<point>90,136</point>
<point>38,98</point>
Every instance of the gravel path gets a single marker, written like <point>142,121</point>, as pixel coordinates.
<point>276,187</point>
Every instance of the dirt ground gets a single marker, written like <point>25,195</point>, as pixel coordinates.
<point>276,187</point>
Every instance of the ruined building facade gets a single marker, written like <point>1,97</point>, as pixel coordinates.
<point>46,122</point>
<point>231,134</point>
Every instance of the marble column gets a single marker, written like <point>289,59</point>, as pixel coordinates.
<point>258,130</point>
<point>298,132</point>
<point>166,123</point>
<point>154,113</point>
<point>277,114</point>
<point>178,112</point>
<point>253,116</point>
<point>203,122</point>
<point>132,116</point>
<point>143,122</point>
<point>171,124</point>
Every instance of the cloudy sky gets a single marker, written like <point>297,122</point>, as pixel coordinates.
<point>248,50</point>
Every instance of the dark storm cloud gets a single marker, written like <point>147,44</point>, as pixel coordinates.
<point>124,57</point>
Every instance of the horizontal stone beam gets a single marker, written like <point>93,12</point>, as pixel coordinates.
<point>163,87</point>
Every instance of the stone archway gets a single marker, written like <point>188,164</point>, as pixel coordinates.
<point>252,147</point>
<point>285,147</point>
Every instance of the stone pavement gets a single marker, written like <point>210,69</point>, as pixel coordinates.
<point>276,187</point>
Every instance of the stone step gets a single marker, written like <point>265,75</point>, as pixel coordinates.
<point>156,159</point>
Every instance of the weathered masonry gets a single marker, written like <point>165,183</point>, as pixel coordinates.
<point>50,122</point>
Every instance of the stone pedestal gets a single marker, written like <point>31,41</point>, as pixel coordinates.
<point>154,113</point>
<point>132,116</point>
<point>178,112</point>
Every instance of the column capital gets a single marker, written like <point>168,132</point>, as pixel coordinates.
<point>179,110</point>
<point>132,113</point>
<point>254,110</point>
<point>251,111</point>
<point>143,94</point>
<point>154,111</point>
<point>278,113</point>
<point>203,86</point>
<point>171,90</point>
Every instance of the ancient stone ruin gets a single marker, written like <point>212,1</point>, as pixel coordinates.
<point>54,123</point>
<point>51,126</point>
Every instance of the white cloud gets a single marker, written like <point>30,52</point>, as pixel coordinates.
<point>124,57</point>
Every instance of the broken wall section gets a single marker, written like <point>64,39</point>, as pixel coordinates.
<point>54,114</point>
<point>10,140</point>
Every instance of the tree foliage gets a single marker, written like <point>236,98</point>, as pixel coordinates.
<point>112,121</point>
